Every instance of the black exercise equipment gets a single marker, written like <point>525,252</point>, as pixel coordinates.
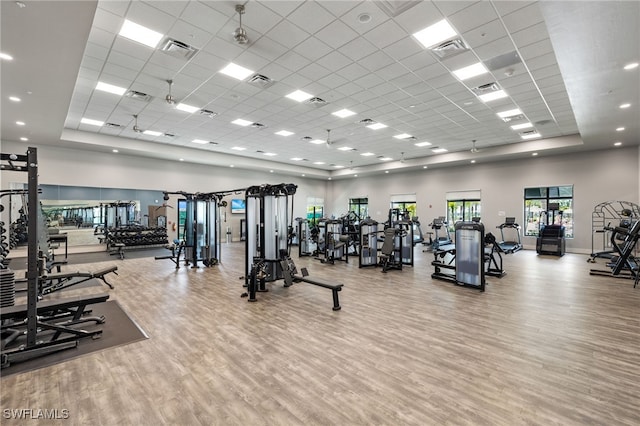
<point>291,276</point>
<point>620,213</point>
<point>439,239</point>
<point>624,264</point>
<point>306,245</point>
<point>466,259</point>
<point>368,254</point>
<point>392,249</point>
<point>492,256</point>
<point>177,249</point>
<point>50,283</point>
<point>515,244</point>
<point>551,236</point>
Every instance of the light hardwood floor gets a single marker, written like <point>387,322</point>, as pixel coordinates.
<point>547,344</point>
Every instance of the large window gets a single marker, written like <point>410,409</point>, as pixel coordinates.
<point>540,209</point>
<point>315,210</point>
<point>359,206</point>
<point>462,206</point>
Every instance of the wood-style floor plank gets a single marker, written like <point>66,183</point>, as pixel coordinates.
<point>547,344</point>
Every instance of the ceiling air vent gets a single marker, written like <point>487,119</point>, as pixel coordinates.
<point>138,96</point>
<point>170,135</point>
<point>450,48</point>
<point>260,80</point>
<point>513,118</point>
<point>178,49</point>
<point>208,113</point>
<point>317,102</point>
<point>258,125</point>
<point>366,121</point>
<point>528,132</point>
<point>213,143</point>
<point>113,125</point>
<point>486,88</point>
<point>306,138</point>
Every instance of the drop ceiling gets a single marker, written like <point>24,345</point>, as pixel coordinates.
<point>560,63</point>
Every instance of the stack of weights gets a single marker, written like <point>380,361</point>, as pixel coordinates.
<point>7,288</point>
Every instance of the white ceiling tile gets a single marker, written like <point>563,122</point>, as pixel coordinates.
<point>288,34</point>
<point>447,7</point>
<point>333,80</point>
<point>150,17</point>
<point>419,60</point>
<point>257,18</point>
<point>124,73</point>
<point>349,89</point>
<point>281,7</point>
<point>523,18</point>
<point>403,48</point>
<point>293,61</point>
<point>357,49</point>
<point>295,80</point>
<point>530,35</point>
<point>101,37</point>
<point>412,20</point>
<point>376,16</point>
<point>96,52</point>
<point>189,34</point>
<point>495,48</point>
<point>392,71</point>
<point>339,8</point>
<point>375,61</point>
<point>385,34</point>
<point>314,72</point>
<point>126,61</point>
<point>173,8</point>
<point>268,48</point>
<point>509,6</point>
<point>311,17</point>
<point>484,34</point>
<point>203,17</point>
<point>353,72</point>
<point>473,16</point>
<point>541,61</point>
<point>116,7</point>
<point>336,34</point>
<point>312,49</point>
<point>250,60</point>
<point>334,61</point>
<point>108,21</point>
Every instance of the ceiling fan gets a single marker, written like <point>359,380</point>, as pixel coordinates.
<point>473,148</point>
<point>135,124</point>
<point>240,34</point>
<point>169,98</point>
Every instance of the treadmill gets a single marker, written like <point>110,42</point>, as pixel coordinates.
<point>510,246</point>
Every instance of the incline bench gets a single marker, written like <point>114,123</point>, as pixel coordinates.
<point>289,270</point>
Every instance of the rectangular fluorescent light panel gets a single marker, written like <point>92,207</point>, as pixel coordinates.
<point>236,71</point>
<point>296,159</point>
<point>521,126</point>
<point>200,141</point>
<point>345,148</point>
<point>152,133</point>
<point>110,88</point>
<point>92,122</point>
<point>421,144</point>
<point>299,96</point>
<point>241,122</point>
<point>530,136</point>
<point>367,154</point>
<point>337,166</point>
<point>470,71</point>
<point>488,97</point>
<point>318,162</point>
<point>402,136</point>
<point>187,108</point>
<point>270,154</point>
<point>435,34</point>
<point>284,133</point>
<point>238,148</point>
<point>377,126</point>
<point>141,34</point>
<point>317,141</point>
<point>386,158</point>
<point>343,113</point>
<point>439,150</point>
<point>509,113</point>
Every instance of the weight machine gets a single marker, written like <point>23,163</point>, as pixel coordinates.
<point>622,214</point>
<point>623,264</point>
<point>306,245</point>
<point>368,243</point>
<point>267,216</point>
<point>551,235</point>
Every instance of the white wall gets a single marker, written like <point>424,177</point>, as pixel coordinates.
<point>597,176</point>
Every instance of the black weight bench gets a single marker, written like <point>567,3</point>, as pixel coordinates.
<point>335,288</point>
<point>66,280</point>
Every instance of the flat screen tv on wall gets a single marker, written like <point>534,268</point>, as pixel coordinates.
<point>238,206</point>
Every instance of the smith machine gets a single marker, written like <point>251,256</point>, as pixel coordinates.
<point>268,247</point>
<point>37,329</point>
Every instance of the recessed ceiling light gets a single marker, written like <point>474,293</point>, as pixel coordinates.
<point>530,136</point>
<point>620,129</point>
<point>284,133</point>
<point>318,162</point>
<point>625,105</point>
<point>187,108</point>
<point>425,167</point>
<point>20,123</point>
<point>470,71</point>
<point>303,175</point>
<point>509,113</point>
<point>6,56</point>
<point>24,139</point>
<point>631,66</point>
<point>236,71</point>
<point>152,133</point>
<point>84,120</point>
<point>343,113</point>
<point>241,122</point>
<point>299,96</point>
<point>110,88</point>
<point>386,171</point>
<point>141,34</point>
<point>439,150</point>
<point>296,159</point>
<point>521,126</point>
<point>200,141</point>
<point>270,171</point>
<point>492,96</point>
<point>436,33</point>
<point>534,154</point>
<point>114,150</point>
<point>617,144</point>
<point>364,18</point>
<point>182,159</point>
<point>377,126</point>
<point>355,175</point>
<point>367,154</point>
<point>473,161</point>
<point>14,99</point>
<point>317,141</point>
<point>402,136</point>
<point>270,154</point>
<point>231,165</point>
<point>345,148</point>
<point>238,148</point>
<point>386,158</point>
<point>422,144</point>
<point>337,166</point>
<point>328,178</point>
